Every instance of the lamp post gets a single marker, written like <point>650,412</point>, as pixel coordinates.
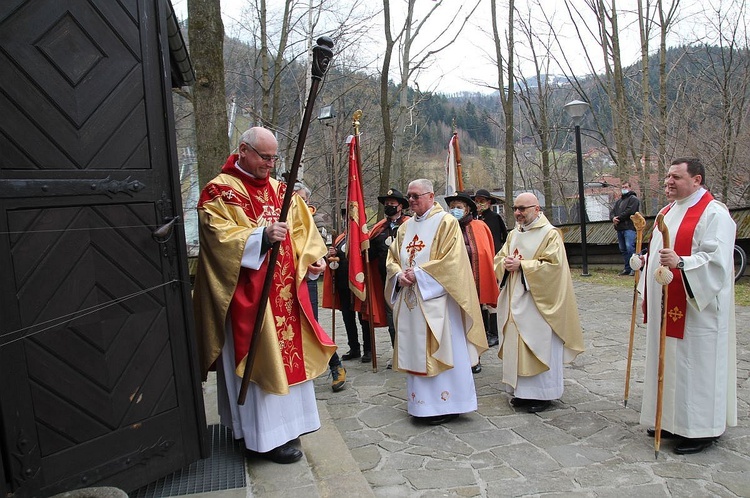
<point>325,115</point>
<point>576,109</point>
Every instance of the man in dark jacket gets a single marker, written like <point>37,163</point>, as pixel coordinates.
<point>624,208</point>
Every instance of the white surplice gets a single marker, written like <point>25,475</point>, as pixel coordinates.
<point>700,375</point>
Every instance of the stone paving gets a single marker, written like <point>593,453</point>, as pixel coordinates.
<point>588,444</point>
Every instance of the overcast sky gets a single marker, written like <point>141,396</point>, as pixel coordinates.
<point>467,65</point>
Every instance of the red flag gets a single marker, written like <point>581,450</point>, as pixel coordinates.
<point>358,235</point>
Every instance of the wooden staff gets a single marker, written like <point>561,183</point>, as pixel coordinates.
<point>333,264</point>
<point>662,341</point>
<point>368,287</point>
<point>459,176</point>
<point>322,54</point>
<point>640,223</point>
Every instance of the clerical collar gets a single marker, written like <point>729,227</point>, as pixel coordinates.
<point>421,217</point>
<point>524,228</point>
<point>237,165</point>
<point>692,199</point>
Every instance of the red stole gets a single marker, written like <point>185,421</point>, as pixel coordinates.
<point>683,244</point>
<point>263,207</point>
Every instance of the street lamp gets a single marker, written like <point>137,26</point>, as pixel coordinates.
<point>325,115</point>
<point>576,109</point>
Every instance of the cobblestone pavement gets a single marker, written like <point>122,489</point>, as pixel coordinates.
<point>588,444</point>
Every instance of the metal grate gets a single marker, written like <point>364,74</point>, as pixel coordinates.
<point>224,469</point>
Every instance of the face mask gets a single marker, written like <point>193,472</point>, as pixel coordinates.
<point>390,210</point>
<point>457,212</point>
<point>625,191</point>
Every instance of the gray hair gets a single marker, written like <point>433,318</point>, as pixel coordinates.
<point>423,183</point>
<point>301,186</point>
<point>253,135</point>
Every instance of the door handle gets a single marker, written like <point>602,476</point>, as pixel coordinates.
<point>163,233</point>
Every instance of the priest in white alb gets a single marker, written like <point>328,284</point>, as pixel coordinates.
<point>536,311</point>
<point>439,329</point>
<point>700,375</point>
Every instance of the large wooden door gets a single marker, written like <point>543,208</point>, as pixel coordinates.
<point>98,374</point>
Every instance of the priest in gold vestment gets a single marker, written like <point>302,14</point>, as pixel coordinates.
<point>536,311</point>
<point>238,214</point>
<point>439,328</point>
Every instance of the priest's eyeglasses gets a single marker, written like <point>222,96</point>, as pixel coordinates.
<point>416,196</point>
<point>273,158</point>
<point>523,208</point>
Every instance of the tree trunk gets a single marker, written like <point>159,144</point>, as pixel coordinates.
<point>206,34</point>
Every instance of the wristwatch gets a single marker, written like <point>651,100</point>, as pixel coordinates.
<point>681,264</point>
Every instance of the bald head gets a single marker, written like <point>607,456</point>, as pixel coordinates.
<point>526,208</point>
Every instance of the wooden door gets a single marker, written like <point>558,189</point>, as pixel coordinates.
<point>98,373</point>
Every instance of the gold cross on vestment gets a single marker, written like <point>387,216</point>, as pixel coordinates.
<point>675,314</point>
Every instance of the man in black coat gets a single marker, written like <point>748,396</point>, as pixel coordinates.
<point>483,199</point>
<point>626,206</point>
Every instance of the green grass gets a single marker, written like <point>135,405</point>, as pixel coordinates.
<point>610,277</point>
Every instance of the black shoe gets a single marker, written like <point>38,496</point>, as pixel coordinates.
<point>286,453</point>
<point>625,273</point>
<point>492,341</point>
<point>476,368</point>
<point>688,445</point>
<point>538,405</point>
<point>351,355</point>
<point>651,432</point>
<point>440,419</point>
<point>520,401</point>
<point>367,357</point>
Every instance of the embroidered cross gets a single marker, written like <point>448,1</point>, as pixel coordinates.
<point>517,255</point>
<point>413,248</point>
<point>675,314</point>
<point>270,214</point>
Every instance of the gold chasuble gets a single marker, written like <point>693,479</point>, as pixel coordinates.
<point>294,348</point>
<point>545,277</point>
<point>436,246</point>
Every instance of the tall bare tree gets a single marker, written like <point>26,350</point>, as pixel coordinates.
<point>505,73</point>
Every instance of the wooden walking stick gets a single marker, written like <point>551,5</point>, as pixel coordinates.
<point>663,275</point>
<point>333,264</point>
<point>640,223</point>
<point>322,54</point>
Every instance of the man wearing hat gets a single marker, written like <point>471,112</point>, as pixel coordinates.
<point>382,236</point>
<point>481,251</point>
<point>484,200</point>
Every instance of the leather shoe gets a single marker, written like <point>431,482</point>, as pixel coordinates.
<point>520,401</point>
<point>538,405</point>
<point>688,445</point>
<point>441,419</point>
<point>492,341</point>
<point>476,368</point>
<point>286,453</point>
<point>367,357</point>
<point>351,355</point>
<point>651,432</point>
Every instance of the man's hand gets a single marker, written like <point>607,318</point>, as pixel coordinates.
<point>511,263</point>
<point>668,258</point>
<point>407,278</point>
<point>277,231</point>
<point>317,268</point>
<point>616,220</point>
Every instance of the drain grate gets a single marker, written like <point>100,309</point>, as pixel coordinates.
<point>224,469</point>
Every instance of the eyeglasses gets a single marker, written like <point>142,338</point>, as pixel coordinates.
<point>265,157</point>
<point>416,196</point>
<point>523,208</point>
